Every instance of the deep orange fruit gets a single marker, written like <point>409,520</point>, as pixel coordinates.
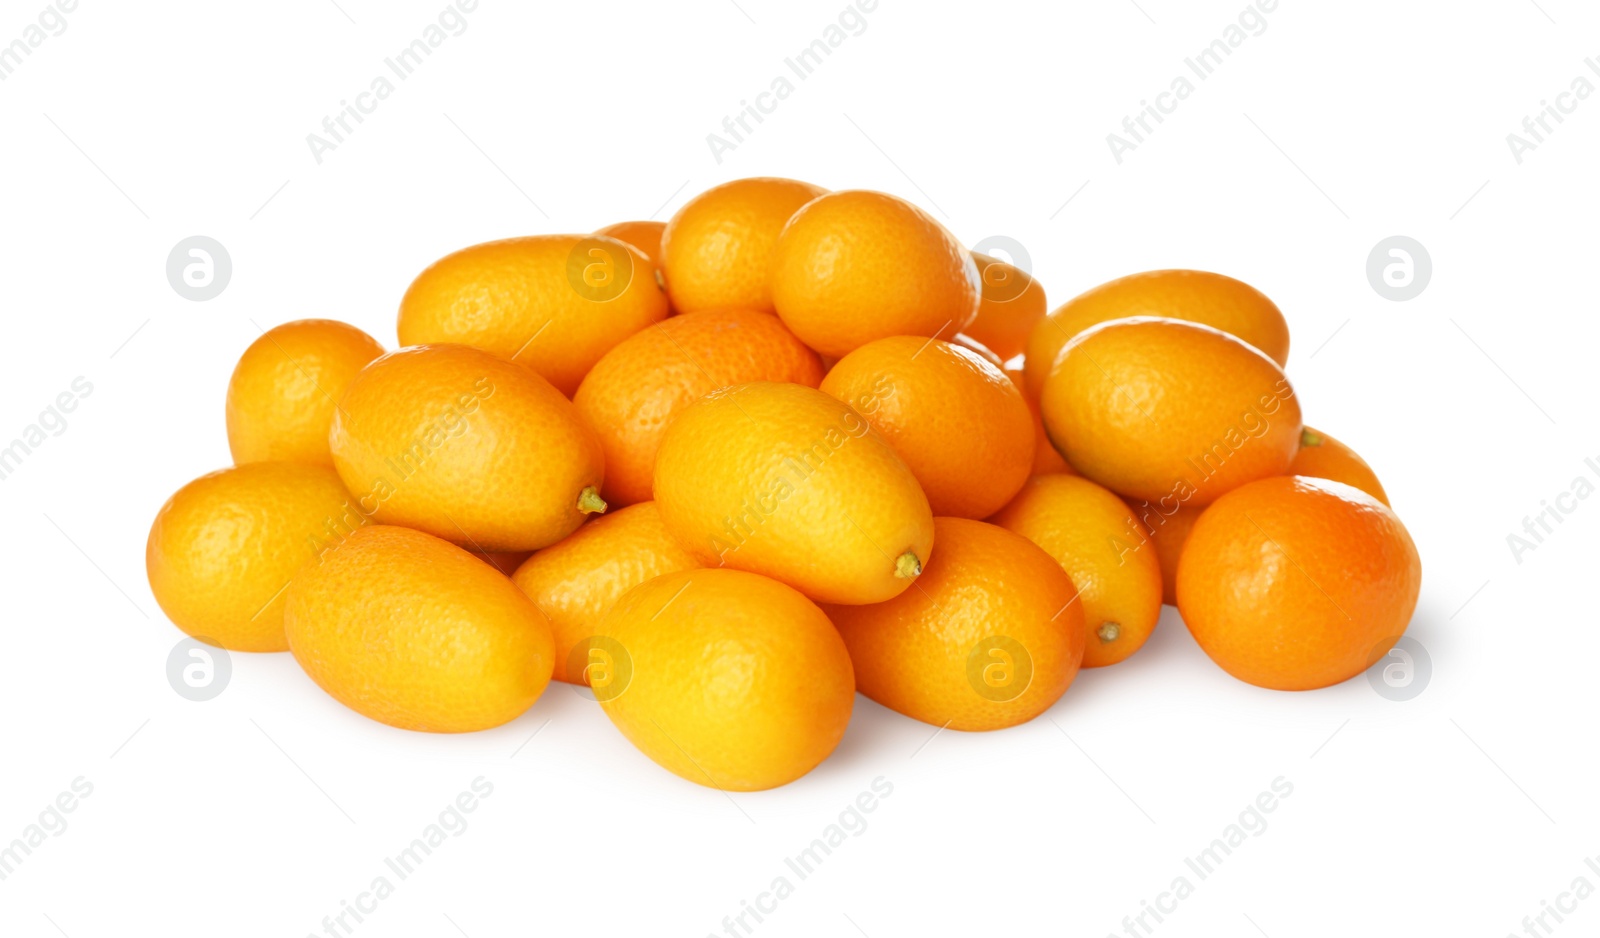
<point>635,390</point>
<point>1214,300</point>
<point>1323,457</point>
<point>855,266</point>
<point>991,637</point>
<point>1169,411</point>
<point>644,235</point>
<point>283,392</point>
<point>1011,306</point>
<point>1295,583</point>
<point>1102,546</point>
<point>717,250</point>
<point>956,419</point>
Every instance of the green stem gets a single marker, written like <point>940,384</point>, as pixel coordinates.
<point>907,566</point>
<point>590,502</point>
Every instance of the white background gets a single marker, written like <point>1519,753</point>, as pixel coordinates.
<point>258,813</point>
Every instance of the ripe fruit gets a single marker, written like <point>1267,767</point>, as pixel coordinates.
<point>576,581</point>
<point>466,446</point>
<point>1011,305</point>
<point>956,419</point>
<point>717,250</point>
<point>1103,547</point>
<point>1323,457</point>
<point>785,481</point>
<point>855,266</point>
<point>223,548</point>
<point>415,632</point>
<point>1159,409</point>
<point>555,303</point>
<point>644,235</point>
<point>1214,300</point>
<point>1169,531</point>
<point>1294,583</point>
<point>990,638</point>
<point>738,682</point>
<point>633,392</point>
<point>284,390</point>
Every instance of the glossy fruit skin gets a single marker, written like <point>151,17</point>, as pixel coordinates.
<point>1214,300</point>
<point>415,632</point>
<point>1169,531</point>
<point>644,235</point>
<point>520,299</point>
<point>466,446</point>
<point>1046,460</point>
<point>717,250</point>
<point>223,547</point>
<point>283,391</point>
<point>1159,409</point>
<point>576,582</point>
<point>1011,305</point>
<point>1294,583</point>
<point>854,266</point>
<point>738,682</point>
<point>1323,457</point>
<point>955,418</point>
<point>929,652</point>
<point>635,390</point>
<point>1104,547</point>
<point>785,481</point>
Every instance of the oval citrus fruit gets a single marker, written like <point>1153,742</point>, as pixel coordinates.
<point>555,303</point>
<point>1011,304</point>
<point>991,637</point>
<point>855,266</point>
<point>224,547</point>
<point>783,480</point>
<point>1103,547</point>
<point>466,446</point>
<point>1323,457</point>
<point>633,392</point>
<point>717,249</point>
<point>1160,409</point>
<point>415,632</point>
<point>737,681</point>
<point>1214,300</point>
<point>956,419</point>
<point>283,392</point>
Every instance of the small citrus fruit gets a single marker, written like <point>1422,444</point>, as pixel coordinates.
<point>284,390</point>
<point>506,561</point>
<point>223,548</point>
<point>1102,546</point>
<point>855,266</point>
<point>1295,583</point>
<point>991,637</point>
<point>1214,300</point>
<point>555,303</point>
<point>415,632</point>
<point>956,419</point>
<point>1011,305</point>
<point>466,446</point>
<point>644,235</point>
<point>738,682</point>
<point>1323,457</point>
<point>783,480</point>
<point>633,392</point>
<point>717,249</point>
<point>1160,408</point>
<point>577,580</point>
<point>1169,531</point>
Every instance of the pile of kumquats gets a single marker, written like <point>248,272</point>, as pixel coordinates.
<point>790,445</point>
